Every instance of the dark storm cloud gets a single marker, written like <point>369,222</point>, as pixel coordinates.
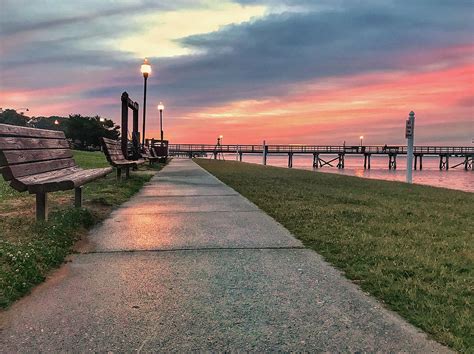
<point>259,58</point>
<point>312,40</point>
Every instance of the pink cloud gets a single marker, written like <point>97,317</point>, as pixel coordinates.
<point>374,105</point>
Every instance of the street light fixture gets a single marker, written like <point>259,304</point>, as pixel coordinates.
<point>161,108</point>
<point>146,71</point>
<point>56,122</point>
<point>219,140</point>
<point>361,140</point>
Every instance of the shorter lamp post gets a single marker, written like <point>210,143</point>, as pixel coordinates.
<point>219,140</point>
<point>145,70</point>
<point>161,108</point>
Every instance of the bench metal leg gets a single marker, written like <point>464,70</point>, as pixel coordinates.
<point>41,206</point>
<point>78,197</point>
<point>119,174</point>
<point>127,172</point>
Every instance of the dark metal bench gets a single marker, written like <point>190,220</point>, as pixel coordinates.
<point>114,154</point>
<point>160,149</point>
<point>40,161</point>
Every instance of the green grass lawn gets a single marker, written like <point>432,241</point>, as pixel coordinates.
<point>29,250</point>
<point>410,246</point>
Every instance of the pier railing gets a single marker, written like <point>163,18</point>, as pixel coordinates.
<point>320,149</point>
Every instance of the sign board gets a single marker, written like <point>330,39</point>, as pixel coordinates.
<point>409,129</point>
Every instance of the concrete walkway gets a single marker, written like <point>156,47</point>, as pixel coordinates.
<point>189,264</point>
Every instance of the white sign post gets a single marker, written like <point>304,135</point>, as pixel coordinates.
<point>410,135</point>
<point>264,154</point>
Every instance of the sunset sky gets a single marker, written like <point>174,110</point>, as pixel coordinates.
<point>302,71</point>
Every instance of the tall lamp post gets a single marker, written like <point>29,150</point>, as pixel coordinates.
<point>161,108</point>
<point>145,70</point>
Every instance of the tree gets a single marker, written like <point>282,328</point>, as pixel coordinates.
<point>87,131</point>
<point>47,122</point>
<point>10,116</point>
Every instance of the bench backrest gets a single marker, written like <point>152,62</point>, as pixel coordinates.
<point>29,151</point>
<point>113,150</point>
<point>161,151</point>
<point>147,152</point>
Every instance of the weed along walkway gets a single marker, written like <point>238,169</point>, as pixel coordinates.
<point>189,264</point>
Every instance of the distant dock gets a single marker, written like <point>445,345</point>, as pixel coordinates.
<point>333,155</point>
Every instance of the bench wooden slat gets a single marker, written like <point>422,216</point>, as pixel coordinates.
<point>27,169</point>
<point>11,157</point>
<point>114,151</point>
<point>117,155</point>
<point>15,143</point>
<point>111,141</point>
<point>150,157</point>
<point>113,147</point>
<point>13,130</point>
<point>21,184</point>
<point>124,163</point>
<point>69,181</point>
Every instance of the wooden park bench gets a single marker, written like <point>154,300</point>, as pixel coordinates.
<point>149,155</point>
<point>40,161</point>
<point>160,151</point>
<point>114,154</point>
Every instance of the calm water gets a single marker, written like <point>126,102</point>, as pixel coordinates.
<point>354,166</point>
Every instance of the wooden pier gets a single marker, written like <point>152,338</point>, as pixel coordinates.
<point>333,155</point>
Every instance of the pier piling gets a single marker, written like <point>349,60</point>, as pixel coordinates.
<point>316,161</point>
<point>264,153</point>
<point>444,162</point>
<point>419,161</point>
<point>367,161</point>
<point>392,161</point>
<point>469,163</point>
<point>340,163</point>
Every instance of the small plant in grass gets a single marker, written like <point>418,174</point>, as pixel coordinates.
<point>25,263</point>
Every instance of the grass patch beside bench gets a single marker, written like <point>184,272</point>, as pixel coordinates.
<point>410,246</point>
<point>29,250</point>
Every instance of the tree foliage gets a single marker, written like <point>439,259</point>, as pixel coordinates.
<point>85,132</point>
<point>10,116</point>
<point>88,130</point>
